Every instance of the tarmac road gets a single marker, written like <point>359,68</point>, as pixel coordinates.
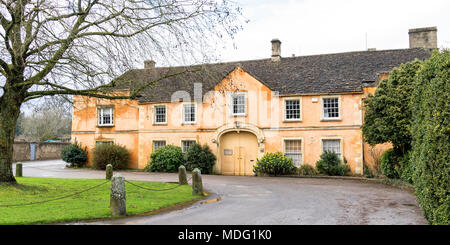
<point>266,200</point>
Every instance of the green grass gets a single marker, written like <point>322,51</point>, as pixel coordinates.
<point>88,205</point>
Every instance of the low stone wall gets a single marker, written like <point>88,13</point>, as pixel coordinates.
<point>21,151</point>
<point>44,151</point>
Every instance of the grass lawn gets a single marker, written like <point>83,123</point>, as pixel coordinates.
<point>88,205</point>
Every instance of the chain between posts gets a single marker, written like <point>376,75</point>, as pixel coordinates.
<point>86,190</point>
<point>55,199</point>
<point>150,189</point>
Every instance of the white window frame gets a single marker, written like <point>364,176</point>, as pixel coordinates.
<point>100,116</point>
<point>154,114</point>
<point>183,114</point>
<point>323,118</point>
<point>341,145</point>
<point>302,145</point>
<point>241,114</point>
<point>153,144</point>
<point>104,141</point>
<point>184,140</point>
<point>285,109</point>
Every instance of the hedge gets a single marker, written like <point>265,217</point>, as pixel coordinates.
<point>431,137</point>
<point>116,155</point>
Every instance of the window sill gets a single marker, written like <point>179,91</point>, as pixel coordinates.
<point>188,123</point>
<point>105,126</point>
<point>330,119</point>
<point>289,121</point>
<point>159,124</point>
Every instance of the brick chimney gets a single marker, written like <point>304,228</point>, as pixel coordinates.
<point>149,64</point>
<point>276,50</point>
<point>423,37</point>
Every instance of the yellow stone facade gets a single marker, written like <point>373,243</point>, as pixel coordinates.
<point>237,141</point>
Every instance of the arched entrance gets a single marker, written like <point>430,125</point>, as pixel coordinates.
<point>238,152</point>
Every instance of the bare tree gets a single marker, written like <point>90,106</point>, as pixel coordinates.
<point>50,119</point>
<point>376,153</point>
<point>76,47</point>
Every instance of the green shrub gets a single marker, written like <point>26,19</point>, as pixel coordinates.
<point>306,169</point>
<point>274,164</point>
<point>406,169</point>
<point>368,172</point>
<point>74,154</point>
<point>116,155</point>
<point>165,159</point>
<point>430,130</point>
<point>200,157</point>
<point>388,113</point>
<point>330,164</point>
<point>389,164</point>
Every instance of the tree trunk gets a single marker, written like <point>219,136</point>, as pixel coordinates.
<point>9,112</point>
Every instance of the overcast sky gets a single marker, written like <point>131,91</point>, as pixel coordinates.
<point>308,27</point>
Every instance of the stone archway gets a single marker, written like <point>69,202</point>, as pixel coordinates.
<point>237,146</point>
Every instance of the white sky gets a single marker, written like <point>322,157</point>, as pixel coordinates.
<point>308,27</point>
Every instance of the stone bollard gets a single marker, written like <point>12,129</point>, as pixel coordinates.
<point>109,171</point>
<point>117,203</point>
<point>197,185</point>
<point>182,178</point>
<point>19,169</point>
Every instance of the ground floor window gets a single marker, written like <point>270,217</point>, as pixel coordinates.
<point>104,142</point>
<point>158,144</point>
<point>333,145</point>
<point>293,150</point>
<point>185,144</point>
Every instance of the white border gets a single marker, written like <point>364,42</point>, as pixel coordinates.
<point>299,98</point>
<point>322,116</point>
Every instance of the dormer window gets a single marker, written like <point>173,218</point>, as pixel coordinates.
<point>238,104</point>
<point>105,116</point>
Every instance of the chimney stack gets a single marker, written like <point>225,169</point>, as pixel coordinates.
<point>149,64</point>
<point>276,50</point>
<point>423,37</point>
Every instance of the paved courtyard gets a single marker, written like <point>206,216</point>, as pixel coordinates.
<point>267,200</point>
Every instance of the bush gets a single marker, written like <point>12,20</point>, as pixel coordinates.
<point>389,164</point>
<point>388,112</point>
<point>74,154</point>
<point>368,172</point>
<point>306,169</point>
<point>200,157</point>
<point>406,169</point>
<point>430,154</point>
<point>274,164</point>
<point>116,155</point>
<point>165,159</point>
<point>330,164</point>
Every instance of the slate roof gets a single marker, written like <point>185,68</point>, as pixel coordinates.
<point>315,74</point>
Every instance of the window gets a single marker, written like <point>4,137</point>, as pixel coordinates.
<point>331,108</point>
<point>238,106</point>
<point>160,114</point>
<point>158,144</point>
<point>333,145</point>
<point>189,113</point>
<point>104,142</point>
<point>293,150</point>
<point>105,116</point>
<point>185,144</point>
<point>292,110</point>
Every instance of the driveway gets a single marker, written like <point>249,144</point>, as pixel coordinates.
<point>267,200</point>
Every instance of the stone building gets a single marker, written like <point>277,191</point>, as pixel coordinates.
<point>300,106</point>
